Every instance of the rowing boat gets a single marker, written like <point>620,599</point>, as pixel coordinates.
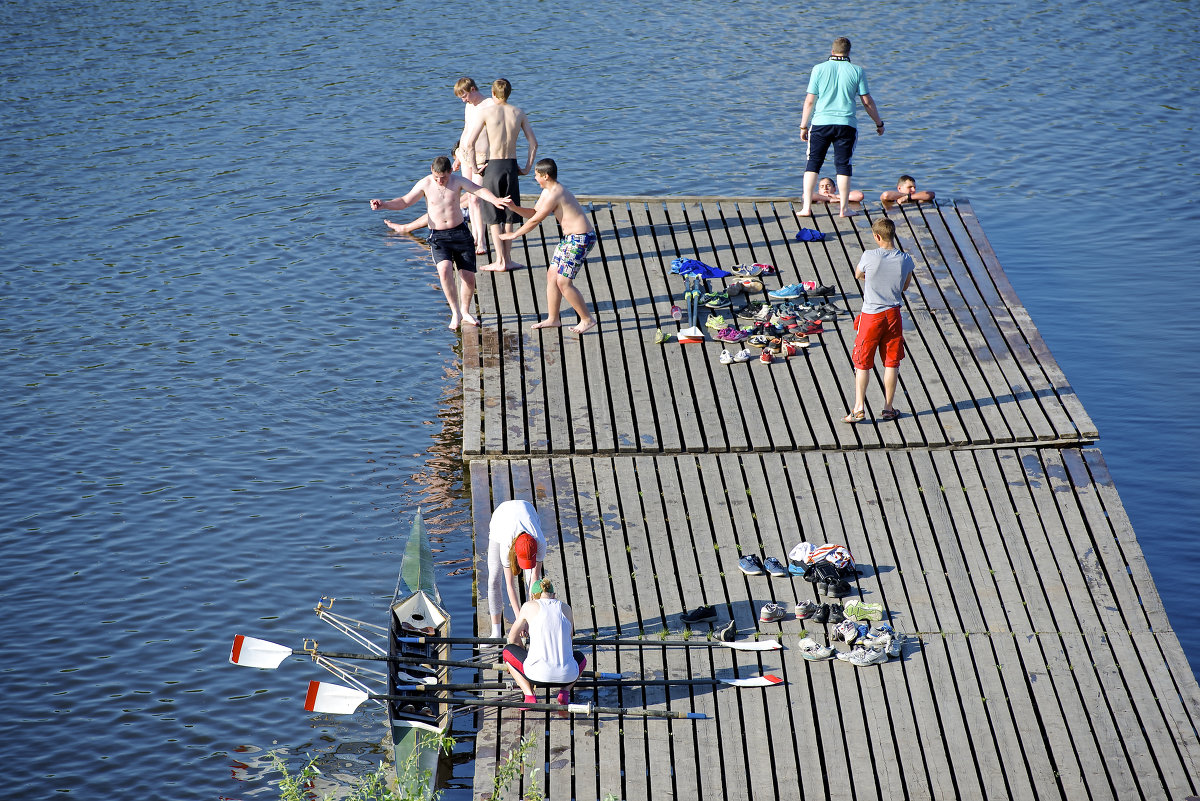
<point>417,728</point>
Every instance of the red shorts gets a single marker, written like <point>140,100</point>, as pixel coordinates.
<point>883,332</point>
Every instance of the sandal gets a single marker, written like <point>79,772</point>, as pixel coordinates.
<point>855,417</point>
<point>889,414</point>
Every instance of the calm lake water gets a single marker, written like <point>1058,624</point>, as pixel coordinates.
<point>229,388</point>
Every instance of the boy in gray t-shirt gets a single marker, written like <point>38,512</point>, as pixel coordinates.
<point>885,274</point>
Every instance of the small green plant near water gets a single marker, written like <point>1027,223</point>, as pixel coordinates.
<point>412,782</point>
<point>510,768</point>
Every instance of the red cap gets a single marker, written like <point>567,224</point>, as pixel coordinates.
<point>526,550</point>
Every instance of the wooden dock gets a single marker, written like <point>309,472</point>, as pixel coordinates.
<point>1040,662</point>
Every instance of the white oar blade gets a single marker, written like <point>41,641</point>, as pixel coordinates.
<point>256,653</point>
<point>767,680</point>
<point>753,645</point>
<point>332,699</point>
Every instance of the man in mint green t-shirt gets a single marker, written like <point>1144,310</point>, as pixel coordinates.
<point>830,108</point>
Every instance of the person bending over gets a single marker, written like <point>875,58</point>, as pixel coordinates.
<point>549,658</point>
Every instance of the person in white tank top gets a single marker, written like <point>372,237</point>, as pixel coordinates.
<point>549,657</point>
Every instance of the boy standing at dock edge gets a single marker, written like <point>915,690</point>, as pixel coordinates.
<point>570,257</point>
<point>833,89</point>
<point>885,273</point>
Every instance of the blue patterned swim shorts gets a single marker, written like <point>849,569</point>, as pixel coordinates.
<point>571,254</point>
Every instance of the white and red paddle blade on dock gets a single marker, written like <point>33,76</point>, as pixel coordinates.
<point>766,680</point>
<point>333,699</point>
<point>253,652</point>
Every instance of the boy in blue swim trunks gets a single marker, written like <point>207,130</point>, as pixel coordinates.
<point>571,255</point>
<point>449,238</point>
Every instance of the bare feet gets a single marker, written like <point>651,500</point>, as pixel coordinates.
<point>547,323</point>
<point>480,251</point>
<point>848,212</point>
<point>804,213</point>
<point>468,319</point>
<point>494,267</point>
<point>453,322</point>
<point>584,326</point>
<point>407,228</point>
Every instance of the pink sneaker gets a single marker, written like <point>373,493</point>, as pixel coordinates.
<point>564,697</point>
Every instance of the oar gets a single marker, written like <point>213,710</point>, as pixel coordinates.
<point>253,652</point>
<point>739,645</point>
<point>334,699</point>
<point>767,680</point>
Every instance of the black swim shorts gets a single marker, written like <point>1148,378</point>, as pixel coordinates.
<point>453,244</point>
<point>500,177</point>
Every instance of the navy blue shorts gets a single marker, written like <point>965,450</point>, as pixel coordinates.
<point>842,137</point>
<point>453,244</point>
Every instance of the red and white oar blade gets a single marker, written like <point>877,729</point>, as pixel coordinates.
<point>333,699</point>
<point>256,653</point>
<point>767,680</point>
<point>753,645</point>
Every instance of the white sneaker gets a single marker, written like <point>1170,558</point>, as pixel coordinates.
<point>864,657</point>
<point>813,651</point>
<point>743,355</point>
<point>726,357</point>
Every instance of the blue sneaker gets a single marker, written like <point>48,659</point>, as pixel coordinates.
<point>774,567</point>
<point>789,292</point>
<point>750,565</point>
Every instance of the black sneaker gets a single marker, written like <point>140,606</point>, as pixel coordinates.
<point>836,613</point>
<point>822,615</point>
<point>699,615</point>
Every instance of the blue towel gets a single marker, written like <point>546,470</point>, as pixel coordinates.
<point>699,268</point>
<point>810,235</point>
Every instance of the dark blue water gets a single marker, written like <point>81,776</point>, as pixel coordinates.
<point>228,389</point>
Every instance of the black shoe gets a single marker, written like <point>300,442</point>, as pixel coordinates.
<point>836,613</point>
<point>699,615</point>
<point>728,633</point>
<point>838,589</point>
<point>822,615</point>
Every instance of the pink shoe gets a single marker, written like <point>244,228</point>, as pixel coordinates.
<point>564,697</point>
<point>529,699</point>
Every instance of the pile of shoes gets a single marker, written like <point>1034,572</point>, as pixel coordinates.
<point>867,646</point>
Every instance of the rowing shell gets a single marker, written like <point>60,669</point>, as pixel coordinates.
<point>416,607</point>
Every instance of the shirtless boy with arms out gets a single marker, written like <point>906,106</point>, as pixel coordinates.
<point>502,123</point>
<point>905,191</point>
<point>570,257</point>
<point>449,238</point>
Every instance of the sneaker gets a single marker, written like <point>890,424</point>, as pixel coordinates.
<point>823,291</point>
<point>811,327</point>
<point>771,612</point>
<point>836,615</point>
<point>806,609</point>
<point>726,357</point>
<point>716,322</point>
<point>732,334</point>
<point>699,615</point>
<point>564,697</point>
<point>750,311</point>
<point>764,313</point>
<point>746,285</point>
<point>864,657</point>
<point>789,292</point>
<point>747,270</point>
<point>789,349</point>
<point>813,651</point>
<point>797,568</point>
<point>822,614</point>
<point>766,356</point>
<point>765,269</point>
<point>715,300</point>
<point>743,355</point>
<point>760,340</point>
<point>838,588</point>
<point>801,341</point>
<point>858,610</point>
<point>774,567</point>
<point>846,631</point>
<point>750,565</point>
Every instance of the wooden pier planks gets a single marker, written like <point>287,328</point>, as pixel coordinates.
<point>978,372</point>
<point>1025,669</point>
<point>1042,663</point>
